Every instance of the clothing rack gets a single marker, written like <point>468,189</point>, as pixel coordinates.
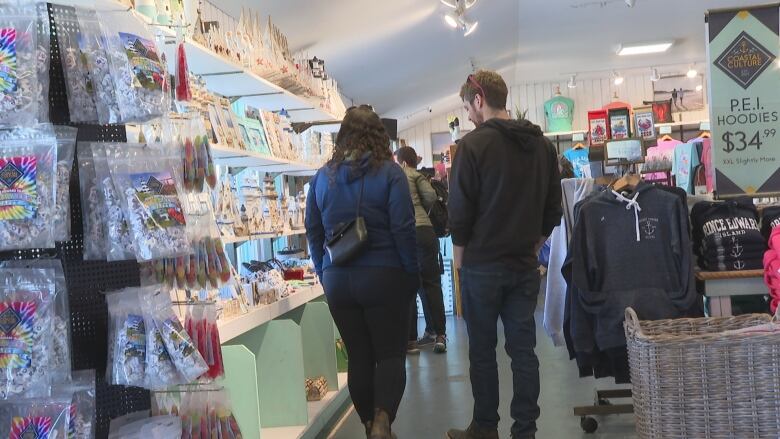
<point>603,406</point>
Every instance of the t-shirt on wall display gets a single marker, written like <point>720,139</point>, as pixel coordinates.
<point>559,113</point>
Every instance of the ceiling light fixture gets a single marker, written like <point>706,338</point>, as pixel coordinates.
<point>451,20</point>
<point>644,49</point>
<point>572,82</point>
<point>617,78</point>
<point>692,72</point>
<point>457,19</point>
<point>654,76</point>
<point>469,28</point>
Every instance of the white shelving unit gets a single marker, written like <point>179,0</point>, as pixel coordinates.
<point>235,157</point>
<point>235,326</point>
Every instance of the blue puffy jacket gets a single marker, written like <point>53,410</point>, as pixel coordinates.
<point>387,208</point>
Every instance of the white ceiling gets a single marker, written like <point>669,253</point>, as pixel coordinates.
<point>400,56</point>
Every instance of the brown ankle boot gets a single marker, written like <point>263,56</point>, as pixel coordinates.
<point>381,426</point>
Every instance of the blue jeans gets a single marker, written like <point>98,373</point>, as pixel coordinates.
<point>489,292</point>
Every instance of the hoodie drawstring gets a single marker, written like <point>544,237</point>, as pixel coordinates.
<point>631,203</point>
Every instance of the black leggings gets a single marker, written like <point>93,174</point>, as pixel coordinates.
<point>371,309</point>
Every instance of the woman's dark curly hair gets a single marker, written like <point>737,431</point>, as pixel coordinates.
<point>361,132</point>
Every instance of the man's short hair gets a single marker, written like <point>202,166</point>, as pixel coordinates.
<point>490,85</point>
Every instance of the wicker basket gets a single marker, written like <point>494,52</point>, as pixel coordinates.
<point>690,380</point>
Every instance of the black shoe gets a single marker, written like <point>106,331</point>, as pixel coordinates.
<point>412,348</point>
<point>473,432</point>
<point>441,344</point>
<point>426,339</point>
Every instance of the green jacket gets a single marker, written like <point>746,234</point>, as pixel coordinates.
<point>423,196</point>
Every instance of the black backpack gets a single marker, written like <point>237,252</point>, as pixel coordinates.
<point>438,212</point>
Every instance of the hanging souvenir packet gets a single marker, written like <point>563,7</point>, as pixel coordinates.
<point>93,55</point>
<point>137,66</point>
<point>26,323</point>
<point>127,339</point>
<point>27,188</point>
<point>80,392</point>
<point>66,150</point>
<point>189,362</point>
<point>201,325</point>
<point>79,83</point>
<point>19,88</point>
<point>40,418</point>
<point>60,356</point>
<point>161,372</point>
<point>150,185</point>
<point>92,211</point>
<point>120,245</point>
<point>42,60</point>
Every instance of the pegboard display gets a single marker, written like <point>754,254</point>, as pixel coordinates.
<point>86,280</point>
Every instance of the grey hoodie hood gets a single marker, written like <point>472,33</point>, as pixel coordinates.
<point>521,132</point>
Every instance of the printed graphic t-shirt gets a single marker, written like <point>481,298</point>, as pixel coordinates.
<point>559,112</point>
<point>664,149</point>
<point>579,161</point>
<point>686,158</point>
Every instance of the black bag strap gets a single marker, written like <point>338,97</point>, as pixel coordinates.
<point>360,197</point>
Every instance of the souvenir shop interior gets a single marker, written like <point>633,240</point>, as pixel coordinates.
<point>155,278</point>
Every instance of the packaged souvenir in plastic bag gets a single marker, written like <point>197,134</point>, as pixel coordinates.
<point>19,88</point>
<point>26,322</point>
<point>119,243</point>
<point>151,200</point>
<point>60,356</point>
<point>127,339</point>
<point>66,150</point>
<point>201,324</point>
<point>40,418</point>
<point>161,372</point>
<point>42,60</point>
<point>79,83</point>
<point>185,355</point>
<point>80,392</point>
<point>137,66</point>
<point>183,91</point>
<point>93,50</point>
<point>92,212</point>
<point>27,187</point>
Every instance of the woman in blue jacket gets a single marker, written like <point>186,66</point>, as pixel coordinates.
<point>369,296</point>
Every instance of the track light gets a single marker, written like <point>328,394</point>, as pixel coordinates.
<point>451,20</point>
<point>450,4</point>
<point>654,76</point>
<point>469,28</point>
<point>572,82</point>
<point>692,73</point>
<point>455,4</point>
<point>699,88</point>
<point>617,78</point>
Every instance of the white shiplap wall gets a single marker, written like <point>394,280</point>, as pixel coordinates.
<point>591,93</point>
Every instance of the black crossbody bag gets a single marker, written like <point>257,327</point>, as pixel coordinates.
<point>351,239</point>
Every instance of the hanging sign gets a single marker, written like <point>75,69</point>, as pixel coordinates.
<point>742,52</point>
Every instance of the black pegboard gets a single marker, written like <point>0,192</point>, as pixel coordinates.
<point>87,280</point>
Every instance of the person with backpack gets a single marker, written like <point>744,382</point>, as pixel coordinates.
<point>427,207</point>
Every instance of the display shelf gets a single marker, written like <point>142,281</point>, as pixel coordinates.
<point>236,326</point>
<point>242,239</point>
<point>320,413</point>
<point>230,79</point>
<point>239,158</point>
<point>565,133</point>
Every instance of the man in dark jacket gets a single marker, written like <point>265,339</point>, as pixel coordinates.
<point>505,200</point>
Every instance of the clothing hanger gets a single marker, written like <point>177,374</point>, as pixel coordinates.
<point>578,145</point>
<point>705,135</point>
<point>666,138</point>
<point>627,182</point>
<point>557,91</point>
